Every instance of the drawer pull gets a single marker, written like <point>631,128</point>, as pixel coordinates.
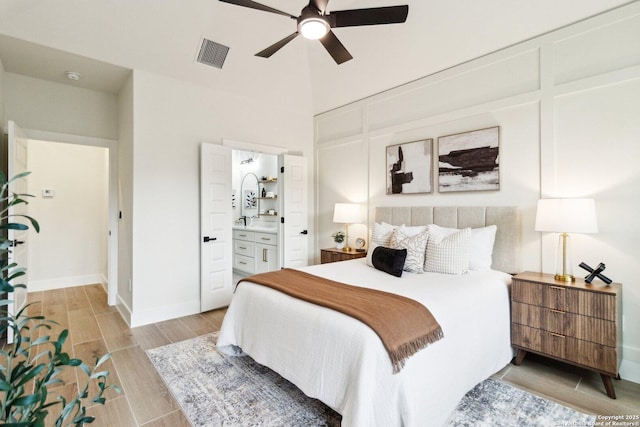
<point>558,288</point>
<point>242,262</point>
<point>266,238</point>
<point>242,247</point>
<point>557,335</point>
<point>558,311</point>
<point>264,255</point>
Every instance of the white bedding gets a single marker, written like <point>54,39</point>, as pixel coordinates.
<point>339,360</point>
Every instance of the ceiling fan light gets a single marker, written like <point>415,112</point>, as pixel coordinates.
<point>313,28</point>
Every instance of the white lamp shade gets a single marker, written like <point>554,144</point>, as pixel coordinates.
<point>347,213</point>
<point>566,216</point>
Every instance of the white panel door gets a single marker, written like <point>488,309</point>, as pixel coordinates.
<point>216,246</point>
<point>294,240</point>
<point>17,164</point>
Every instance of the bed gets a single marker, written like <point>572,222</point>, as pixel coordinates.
<point>342,362</point>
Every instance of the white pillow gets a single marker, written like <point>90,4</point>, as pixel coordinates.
<point>370,249</point>
<point>480,247</point>
<point>412,231</point>
<point>382,233</point>
<point>447,254</point>
<point>380,236</point>
<point>415,246</point>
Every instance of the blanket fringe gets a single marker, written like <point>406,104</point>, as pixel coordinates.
<point>400,355</point>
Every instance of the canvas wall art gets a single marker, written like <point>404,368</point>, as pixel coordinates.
<point>409,167</point>
<point>469,161</point>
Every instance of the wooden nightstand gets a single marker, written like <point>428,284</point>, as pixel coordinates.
<point>577,323</point>
<point>334,255</point>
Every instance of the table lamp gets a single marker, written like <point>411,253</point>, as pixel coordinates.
<point>566,216</point>
<point>346,213</point>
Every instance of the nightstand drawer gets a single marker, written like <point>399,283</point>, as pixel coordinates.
<point>592,355</point>
<point>554,297</point>
<point>540,341</point>
<point>586,328</point>
<point>585,353</point>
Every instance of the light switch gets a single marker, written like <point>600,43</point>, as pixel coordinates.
<point>47,192</point>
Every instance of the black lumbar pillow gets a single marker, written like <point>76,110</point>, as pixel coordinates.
<point>389,260</point>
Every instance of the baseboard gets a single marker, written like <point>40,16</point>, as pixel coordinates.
<point>66,282</point>
<point>630,366</point>
<point>158,314</point>
<point>124,310</point>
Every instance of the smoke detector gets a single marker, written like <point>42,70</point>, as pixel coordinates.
<point>72,75</point>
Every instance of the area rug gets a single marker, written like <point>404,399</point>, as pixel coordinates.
<point>217,390</point>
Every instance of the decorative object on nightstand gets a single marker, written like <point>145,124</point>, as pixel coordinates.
<point>566,216</point>
<point>360,244</point>
<point>338,237</point>
<point>334,255</point>
<point>346,213</point>
<point>577,323</point>
<point>597,272</point>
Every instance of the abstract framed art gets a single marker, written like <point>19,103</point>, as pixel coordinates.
<point>469,161</point>
<point>409,167</point>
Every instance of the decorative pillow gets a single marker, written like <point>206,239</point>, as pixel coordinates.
<point>412,231</point>
<point>382,233</point>
<point>415,246</point>
<point>447,254</point>
<point>480,246</point>
<point>389,260</point>
<point>380,236</point>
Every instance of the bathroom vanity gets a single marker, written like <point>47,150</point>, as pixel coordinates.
<point>255,249</point>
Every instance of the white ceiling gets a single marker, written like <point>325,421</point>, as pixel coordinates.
<point>105,39</point>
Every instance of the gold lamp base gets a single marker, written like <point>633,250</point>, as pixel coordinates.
<point>563,263</point>
<point>565,278</point>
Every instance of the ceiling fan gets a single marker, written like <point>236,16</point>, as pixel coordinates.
<point>315,23</point>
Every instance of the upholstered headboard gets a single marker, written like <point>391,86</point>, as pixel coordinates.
<point>506,250</point>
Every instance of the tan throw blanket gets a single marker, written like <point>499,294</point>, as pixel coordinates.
<point>404,325</point>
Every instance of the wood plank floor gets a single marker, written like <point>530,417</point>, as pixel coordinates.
<point>95,328</point>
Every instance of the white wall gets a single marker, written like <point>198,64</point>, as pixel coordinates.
<point>171,120</point>
<point>54,107</point>
<point>125,198</point>
<point>567,104</point>
<point>71,248</point>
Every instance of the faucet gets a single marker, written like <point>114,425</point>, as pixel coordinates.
<point>244,219</point>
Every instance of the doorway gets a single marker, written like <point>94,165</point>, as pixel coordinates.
<point>109,157</point>
<point>69,184</point>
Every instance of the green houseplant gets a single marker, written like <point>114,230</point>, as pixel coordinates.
<point>30,366</point>
<point>338,237</point>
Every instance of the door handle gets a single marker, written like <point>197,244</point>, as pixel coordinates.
<point>304,232</point>
<point>14,243</point>
<point>209,239</point>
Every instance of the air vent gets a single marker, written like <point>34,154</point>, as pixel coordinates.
<point>212,53</point>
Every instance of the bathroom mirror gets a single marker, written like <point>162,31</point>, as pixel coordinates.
<point>249,195</point>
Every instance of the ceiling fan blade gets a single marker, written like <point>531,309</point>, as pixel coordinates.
<point>371,16</point>
<point>335,48</point>
<point>266,53</point>
<point>321,5</point>
<point>253,5</point>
